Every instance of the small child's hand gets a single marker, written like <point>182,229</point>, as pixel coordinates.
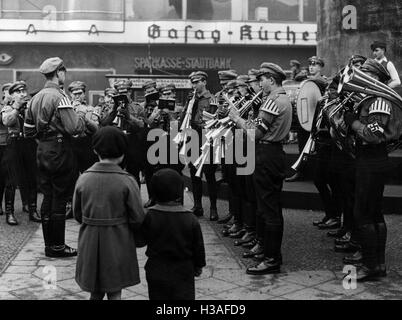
<point>198,272</point>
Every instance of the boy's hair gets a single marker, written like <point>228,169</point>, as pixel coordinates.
<point>167,185</point>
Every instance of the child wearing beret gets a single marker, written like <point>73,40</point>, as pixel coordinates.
<point>175,246</point>
<point>108,204</point>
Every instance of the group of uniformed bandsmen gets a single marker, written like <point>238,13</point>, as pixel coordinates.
<point>48,135</point>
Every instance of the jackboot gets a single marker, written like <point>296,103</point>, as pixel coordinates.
<point>33,213</point>
<point>9,197</point>
<point>58,248</point>
<point>213,214</point>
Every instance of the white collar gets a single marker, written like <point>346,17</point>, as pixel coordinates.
<point>382,59</point>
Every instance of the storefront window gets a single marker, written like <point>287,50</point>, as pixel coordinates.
<point>209,9</point>
<point>273,10</point>
<point>153,9</point>
<point>62,9</point>
<point>310,10</point>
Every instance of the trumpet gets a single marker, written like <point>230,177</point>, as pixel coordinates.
<point>181,137</point>
<point>220,131</point>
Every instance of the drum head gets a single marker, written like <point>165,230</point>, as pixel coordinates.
<point>292,90</point>
<point>306,103</point>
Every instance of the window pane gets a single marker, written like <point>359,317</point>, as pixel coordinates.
<point>310,10</point>
<point>209,9</point>
<point>153,9</point>
<point>62,9</point>
<point>273,10</point>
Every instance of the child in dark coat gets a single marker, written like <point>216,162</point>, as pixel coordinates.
<point>107,202</point>
<point>173,235</point>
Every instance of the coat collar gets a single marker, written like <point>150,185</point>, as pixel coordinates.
<point>170,208</point>
<point>106,167</point>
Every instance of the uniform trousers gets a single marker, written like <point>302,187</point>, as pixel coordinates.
<point>7,186</point>
<point>196,182</point>
<point>268,180</point>
<point>57,175</point>
<point>344,174</point>
<point>371,231</point>
<point>22,170</point>
<point>324,181</point>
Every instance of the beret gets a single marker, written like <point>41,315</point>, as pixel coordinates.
<point>378,44</point>
<point>198,76</point>
<point>295,63</point>
<point>110,92</point>
<point>273,69</point>
<point>51,64</point>
<point>109,142</point>
<point>5,86</point>
<point>16,86</point>
<point>317,60</point>
<point>77,85</point>
<point>149,84</point>
<point>167,185</point>
<point>377,68</point>
<point>227,75</point>
<point>122,85</point>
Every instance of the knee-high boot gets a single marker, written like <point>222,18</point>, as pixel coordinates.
<point>9,197</point>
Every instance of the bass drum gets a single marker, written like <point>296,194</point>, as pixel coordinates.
<point>292,89</point>
<point>306,103</point>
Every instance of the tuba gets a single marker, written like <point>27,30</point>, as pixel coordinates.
<point>356,86</point>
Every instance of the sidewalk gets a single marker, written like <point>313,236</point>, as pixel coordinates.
<point>223,278</point>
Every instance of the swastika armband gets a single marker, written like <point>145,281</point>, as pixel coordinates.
<point>270,107</point>
<point>375,128</point>
<point>261,125</point>
<point>380,106</point>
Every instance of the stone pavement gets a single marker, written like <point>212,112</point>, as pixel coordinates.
<point>223,278</point>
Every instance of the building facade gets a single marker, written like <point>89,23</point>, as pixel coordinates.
<point>151,37</point>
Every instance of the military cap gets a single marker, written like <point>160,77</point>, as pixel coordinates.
<point>149,84</point>
<point>51,64</point>
<point>295,63</point>
<point>317,60</point>
<point>273,69</point>
<point>168,88</point>
<point>110,92</point>
<point>198,76</point>
<point>76,86</point>
<point>378,69</point>
<point>378,44</point>
<point>252,74</point>
<point>357,58</point>
<point>227,75</point>
<point>242,80</point>
<point>6,86</point>
<point>123,86</point>
<point>231,85</point>
<point>17,86</point>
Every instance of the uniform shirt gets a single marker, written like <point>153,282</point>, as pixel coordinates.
<point>13,119</point>
<point>47,115</point>
<point>274,118</point>
<point>378,121</point>
<point>3,131</point>
<point>92,116</point>
<point>395,80</point>
<point>202,103</point>
<point>135,122</point>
